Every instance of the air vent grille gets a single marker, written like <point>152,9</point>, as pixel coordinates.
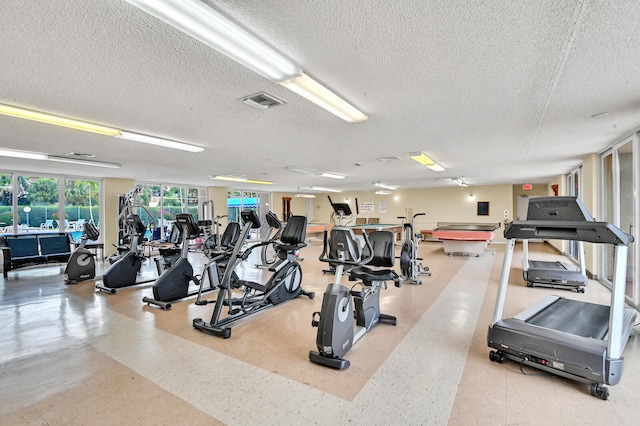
<point>263,100</point>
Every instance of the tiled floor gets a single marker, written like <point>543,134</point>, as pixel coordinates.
<point>70,355</point>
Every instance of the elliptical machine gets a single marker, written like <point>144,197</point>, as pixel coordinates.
<point>268,255</point>
<point>336,330</point>
<point>410,263</point>
<point>124,272</point>
<point>82,264</point>
<point>244,298</point>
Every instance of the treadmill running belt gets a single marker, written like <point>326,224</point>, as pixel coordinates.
<point>541,264</point>
<point>574,317</point>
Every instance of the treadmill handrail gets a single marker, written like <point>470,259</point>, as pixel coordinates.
<point>592,232</point>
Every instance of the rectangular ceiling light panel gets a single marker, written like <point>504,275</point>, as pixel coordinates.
<point>207,25</point>
<point>422,158</point>
<point>310,89</point>
<point>159,141</point>
<point>57,120</point>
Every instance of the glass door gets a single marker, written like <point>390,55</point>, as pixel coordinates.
<point>619,205</point>
<point>628,213</point>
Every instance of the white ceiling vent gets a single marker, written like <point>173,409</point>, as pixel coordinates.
<point>263,100</point>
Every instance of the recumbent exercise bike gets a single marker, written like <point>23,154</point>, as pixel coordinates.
<point>337,332</point>
<point>124,272</point>
<point>173,283</point>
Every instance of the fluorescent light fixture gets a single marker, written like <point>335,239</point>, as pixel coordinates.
<point>332,175</point>
<point>382,192</point>
<point>240,179</point>
<point>261,182</point>
<point>159,141</point>
<point>436,167</point>
<point>207,25</point>
<point>38,156</point>
<point>302,195</point>
<point>93,128</point>
<point>384,186</point>
<point>460,182</point>
<point>84,162</point>
<point>322,188</point>
<point>302,170</point>
<point>422,158</point>
<point>310,89</point>
<point>315,172</point>
<point>22,154</point>
<point>57,120</point>
<point>229,178</point>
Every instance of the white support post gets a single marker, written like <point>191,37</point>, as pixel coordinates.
<point>504,280</point>
<point>616,312</point>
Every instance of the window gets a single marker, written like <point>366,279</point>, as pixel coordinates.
<point>162,202</point>
<point>82,203</point>
<point>619,180</point>
<point>38,208</point>
<point>6,202</point>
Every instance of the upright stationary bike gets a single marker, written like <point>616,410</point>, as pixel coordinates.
<point>82,265</point>
<point>409,261</point>
<point>337,332</point>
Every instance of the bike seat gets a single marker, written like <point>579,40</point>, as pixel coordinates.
<point>368,275</point>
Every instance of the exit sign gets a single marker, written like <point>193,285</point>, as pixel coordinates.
<point>527,187</point>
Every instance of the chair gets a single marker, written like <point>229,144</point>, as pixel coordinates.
<point>79,225</point>
<point>48,224</point>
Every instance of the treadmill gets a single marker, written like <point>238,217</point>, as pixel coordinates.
<point>578,340</point>
<point>541,273</point>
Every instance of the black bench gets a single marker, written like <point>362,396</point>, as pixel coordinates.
<point>23,250</point>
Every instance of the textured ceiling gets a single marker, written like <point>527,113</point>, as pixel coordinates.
<point>496,92</point>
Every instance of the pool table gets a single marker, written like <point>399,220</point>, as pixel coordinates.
<point>315,231</point>
<point>469,239</point>
<point>395,228</point>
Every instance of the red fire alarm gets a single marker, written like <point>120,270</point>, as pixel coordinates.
<point>527,187</point>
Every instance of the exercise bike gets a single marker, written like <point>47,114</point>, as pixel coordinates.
<point>82,264</point>
<point>167,256</point>
<point>173,283</point>
<point>410,265</point>
<point>343,213</point>
<point>124,272</point>
<point>244,298</point>
<point>336,330</point>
